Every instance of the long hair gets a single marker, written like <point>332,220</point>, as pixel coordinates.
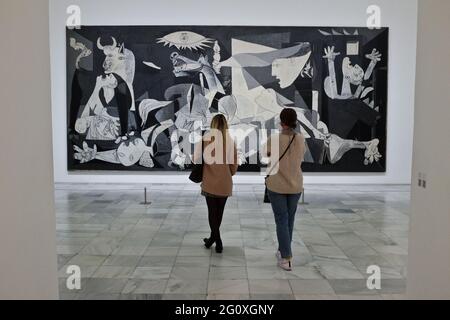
<point>219,122</point>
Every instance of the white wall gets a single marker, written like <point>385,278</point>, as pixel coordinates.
<point>28,268</point>
<point>399,15</point>
<point>429,239</point>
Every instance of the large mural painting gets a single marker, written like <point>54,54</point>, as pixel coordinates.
<point>136,94</point>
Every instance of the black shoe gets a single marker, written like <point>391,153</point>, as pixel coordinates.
<point>208,242</point>
<point>219,246</point>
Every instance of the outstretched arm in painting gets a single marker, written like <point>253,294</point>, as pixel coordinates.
<point>337,147</point>
<point>331,82</point>
<point>88,154</point>
<point>374,58</point>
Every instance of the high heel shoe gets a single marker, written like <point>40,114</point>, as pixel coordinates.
<point>219,246</point>
<point>285,264</point>
<point>208,242</point>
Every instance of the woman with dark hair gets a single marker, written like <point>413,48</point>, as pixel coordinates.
<point>285,181</point>
<point>220,165</point>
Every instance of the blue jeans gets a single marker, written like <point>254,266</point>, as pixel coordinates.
<point>284,207</point>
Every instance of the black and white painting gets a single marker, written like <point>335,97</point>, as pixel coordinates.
<point>137,94</point>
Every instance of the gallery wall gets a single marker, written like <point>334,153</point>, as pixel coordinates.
<point>430,205</point>
<point>28,266</point>
<point>399,16</point>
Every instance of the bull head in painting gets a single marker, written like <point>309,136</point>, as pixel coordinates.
<point>118,59</point>
<point>115,56</point>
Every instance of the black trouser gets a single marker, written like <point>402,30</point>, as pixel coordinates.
<point>216,206</point>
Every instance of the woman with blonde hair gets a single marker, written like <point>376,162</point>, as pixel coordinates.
<point>219,166</point>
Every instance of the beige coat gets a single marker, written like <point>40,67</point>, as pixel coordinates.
<point>217,175</point>
<point>287,176</point>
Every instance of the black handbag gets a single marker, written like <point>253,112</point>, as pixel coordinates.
<point>196,175</point>
<point>266,193</point>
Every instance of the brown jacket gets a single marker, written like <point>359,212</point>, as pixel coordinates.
<point>287,176</point>
<point>217,174</point>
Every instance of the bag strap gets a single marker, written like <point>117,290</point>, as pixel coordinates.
<point>284,153</point>
<point>288,147</point>
<point>203,160</point>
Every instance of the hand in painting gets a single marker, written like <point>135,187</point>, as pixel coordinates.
<point>330,54</point>
<point>241,158</point>
<point>179,161</point>
<point>372,154</point>
<point>111,125</point>
<point>319,135</point>
<point>327,139</point>
<point>86,154</point>
<point>99,83</point>
<point>124,138</point>
<point>375,56</point>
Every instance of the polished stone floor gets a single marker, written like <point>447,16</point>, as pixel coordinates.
<point>131,251</point>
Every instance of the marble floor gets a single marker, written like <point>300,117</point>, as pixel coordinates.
<point>131,251</point>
